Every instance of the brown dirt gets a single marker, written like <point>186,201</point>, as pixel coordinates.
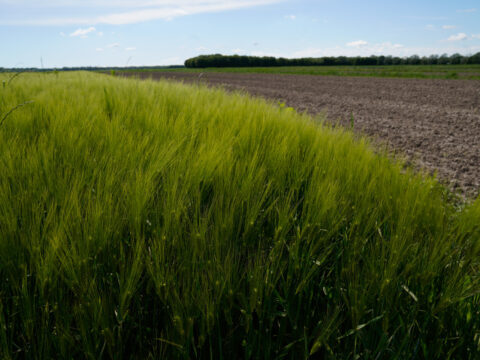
<point>435,123</point>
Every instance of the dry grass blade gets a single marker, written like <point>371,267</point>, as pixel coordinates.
<point>13,77</point>
<point>13,109</point>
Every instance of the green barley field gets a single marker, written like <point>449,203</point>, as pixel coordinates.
<point>155,220</point>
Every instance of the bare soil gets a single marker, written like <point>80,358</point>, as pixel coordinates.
<point>435,123</point>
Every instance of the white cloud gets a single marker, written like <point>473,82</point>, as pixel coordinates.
<point>134,11</point>
<point>476,36</point>
<point>238,51</point>
<point>430,27</point>
<point>114,45</point>
<point>83,32</point>
<point>62,34</point>
<point>358,43</point>
<point>130,48</point>
<point>458,37</point>
<point>415,17</point>
<point>466,10</point>
<point>100,33</point>
<point>448,27</point>
<point>99,49</point>
<point>290,17</point>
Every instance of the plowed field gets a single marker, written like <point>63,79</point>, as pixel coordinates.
<point>435,123</point>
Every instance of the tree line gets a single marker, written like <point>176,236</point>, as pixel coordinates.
<point>218,60</point>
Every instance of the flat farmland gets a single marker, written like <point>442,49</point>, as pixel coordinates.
<point>464,72</point>
<point>435,123</point>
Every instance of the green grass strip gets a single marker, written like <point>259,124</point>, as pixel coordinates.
<point>465,72</point>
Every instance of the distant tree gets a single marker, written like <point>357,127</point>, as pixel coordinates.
<point>433,59</point>
<point>388,60</point>
<point>372,60</point>
<point>474,59</point>
<point>282,61</point>
<point>456,59</point>
<point>414,60</point>
<point>444,59</point>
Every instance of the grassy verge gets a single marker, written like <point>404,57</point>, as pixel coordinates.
<point>467,72</point>
<point>157,220</point>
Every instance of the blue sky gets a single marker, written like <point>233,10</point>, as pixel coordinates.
<point>59,33</point>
